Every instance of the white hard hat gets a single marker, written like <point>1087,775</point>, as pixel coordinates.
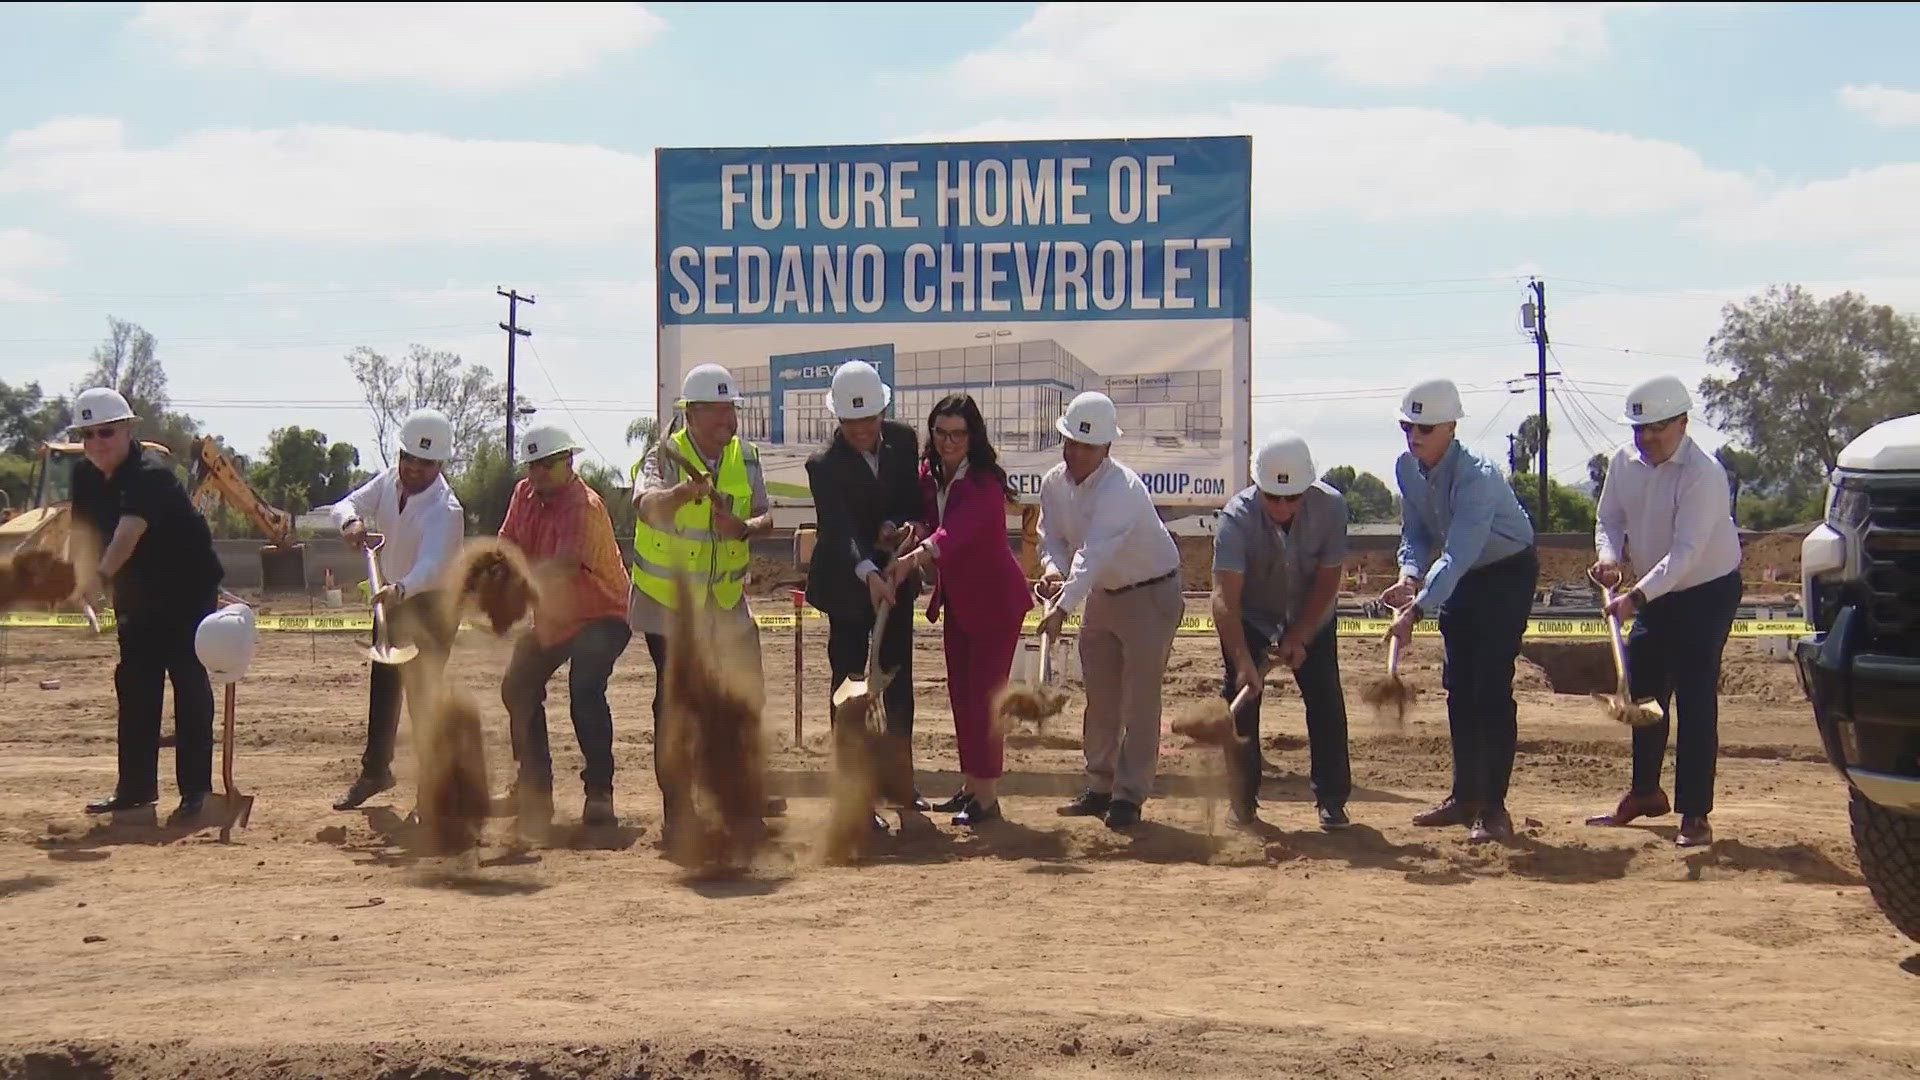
<point>1090,418</point>
<point>1662,397</point>
<point>427,433</point>
<point>708,382</point>
<point>543,441</point>
<point>1283,465</point>
<point>858,392</point>
<point>225,642</point>
<point>100,405</point>
<point>1436,401</point>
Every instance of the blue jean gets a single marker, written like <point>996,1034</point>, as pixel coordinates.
<point>591,653</point>
<point>1673,656</point>
<point>1481,625</point>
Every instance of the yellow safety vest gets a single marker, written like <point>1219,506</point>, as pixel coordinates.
<point>693,548</point>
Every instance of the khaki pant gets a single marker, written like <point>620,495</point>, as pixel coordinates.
<point>1125,639</point>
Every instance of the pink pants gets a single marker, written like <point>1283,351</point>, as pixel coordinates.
<point>978,663</point>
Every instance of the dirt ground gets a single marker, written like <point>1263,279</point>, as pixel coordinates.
<point>322,944</point>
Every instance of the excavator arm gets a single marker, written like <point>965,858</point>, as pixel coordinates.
<point>215,477</point>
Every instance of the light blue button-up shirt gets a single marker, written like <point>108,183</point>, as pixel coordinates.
<point>1464,506</point>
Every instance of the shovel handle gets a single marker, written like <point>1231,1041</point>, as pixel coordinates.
<point>1613,637</point>
<point>1393,656</point>
<point>1046,659</point>
<point>879,629</point>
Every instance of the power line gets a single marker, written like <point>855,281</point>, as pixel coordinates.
<point>541,363</point>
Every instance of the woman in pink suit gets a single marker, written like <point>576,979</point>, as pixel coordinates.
<point>981,591</point>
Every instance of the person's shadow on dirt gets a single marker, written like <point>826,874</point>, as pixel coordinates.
<point>1803,863</point>
<point>133,827</point>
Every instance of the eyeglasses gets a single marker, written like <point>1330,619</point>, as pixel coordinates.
<point>412,459</point>
<point>104,431</point>
<point>1288,499</point>
<point>958,434</point>
<point>1656,427</point>
<point>545,463</point>
<point>1424,429</point>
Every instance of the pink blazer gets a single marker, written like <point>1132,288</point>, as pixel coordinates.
<point>981,585</point>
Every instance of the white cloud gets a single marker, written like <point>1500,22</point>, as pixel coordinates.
<point>1083,49</point>
<point>21,253</point>
<point>1884,105</point>
<point>473,47</point>
<point>326,182</point>
<point>1396,163</point>
<point>1870,208</point>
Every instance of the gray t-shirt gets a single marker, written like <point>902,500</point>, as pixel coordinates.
<point>1279,565</point>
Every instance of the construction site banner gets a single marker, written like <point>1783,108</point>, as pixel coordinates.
<point>1020,273</point>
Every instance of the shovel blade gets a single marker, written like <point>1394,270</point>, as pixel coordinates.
<point>393,654</point>
<point>852,688</point>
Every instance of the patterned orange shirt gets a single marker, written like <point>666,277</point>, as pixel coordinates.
<point>568,538</point>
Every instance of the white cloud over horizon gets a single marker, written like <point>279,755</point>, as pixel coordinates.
<point>1884,105</point>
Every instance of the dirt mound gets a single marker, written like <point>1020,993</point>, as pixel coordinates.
<point>1570,667</point>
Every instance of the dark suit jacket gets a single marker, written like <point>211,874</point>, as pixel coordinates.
<point>850,503</point>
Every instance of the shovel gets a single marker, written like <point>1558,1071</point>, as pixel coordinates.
<point>1390,695</point>
<point>1621,705</point>
<point>239,808</point>
<point>384,651</point>
<point>859,699</point>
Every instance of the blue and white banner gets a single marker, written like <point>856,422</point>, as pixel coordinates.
<point>1020,273</point>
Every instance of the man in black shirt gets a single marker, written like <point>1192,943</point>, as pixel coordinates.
<point>159,558</point>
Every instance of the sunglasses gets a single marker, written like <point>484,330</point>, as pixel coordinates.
<point>104,431</point>
<point>1656,427</point>
<point>1424,429</point>
<point>1288,499</point>
<point>410,459</point>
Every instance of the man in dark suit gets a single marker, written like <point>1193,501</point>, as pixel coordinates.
<point>865,485</point>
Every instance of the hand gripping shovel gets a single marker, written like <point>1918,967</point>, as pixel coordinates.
<point>1621,705</point>
<point>384,651</point>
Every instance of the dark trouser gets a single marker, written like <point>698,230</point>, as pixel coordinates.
<point>591,653</point>
<point>1319,680</point>
<point>1673,656</point>
<point>156,648</point>
<point>849,638</point>
<point>1481,625</point>
<point>418,621</point>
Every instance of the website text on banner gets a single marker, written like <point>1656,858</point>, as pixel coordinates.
<point>1019,273</point>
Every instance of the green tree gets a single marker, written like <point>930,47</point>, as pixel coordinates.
<point>610,486</point>
<point>1526,444</point>
<point>16,491</point>
<point>1804,376</point>
<point>128,360</point>
<point>1573,511</point>
<point>299,471</point>
<point>1368,497</point>
<point>29,418</point>
<point>485,487</point>
<point>430,378</point>
<point>1742,469</point>
<point>1597,473</point>
<point>642,429</point>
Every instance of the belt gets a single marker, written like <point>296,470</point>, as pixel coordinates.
<point>1142,584</point>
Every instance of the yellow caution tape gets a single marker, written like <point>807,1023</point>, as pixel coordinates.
<point>1190,626</point>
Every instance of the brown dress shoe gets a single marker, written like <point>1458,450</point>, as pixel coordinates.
<point>1495,824</point>
<point>1694,832</point>
<point>1450,812</point>
<point>1634,805</point>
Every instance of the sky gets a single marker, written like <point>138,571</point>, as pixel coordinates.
<point>266,186</point>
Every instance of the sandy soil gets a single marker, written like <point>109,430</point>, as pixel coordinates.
<point>321,943</point>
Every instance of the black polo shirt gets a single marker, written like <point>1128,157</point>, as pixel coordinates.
<point>173,567</point>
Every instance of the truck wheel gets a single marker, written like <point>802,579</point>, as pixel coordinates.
<point>1888,843</point>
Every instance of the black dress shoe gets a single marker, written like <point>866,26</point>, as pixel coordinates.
<point>776,807</point>
<point>364,787</point>
<point>960,801</point>
<point>1089,804</point>
<point>880,826</point>
<point>1122,815</point>
<point>189,809</point>
<point>920,803</point>
<point>1334,817</point>
<point>1451,811</point>
<point>117,804</point>
<point>975,815</point>
<point>1493,824</point>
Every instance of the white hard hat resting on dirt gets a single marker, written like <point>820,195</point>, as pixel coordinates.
<point>1436,401</point>
<point>708,383</point>
<point>225,642</point>
<point>1090,418</point>
<point>100,405</point>
<point>427,433</point>
<point>543,441</point>
<point>1662,397</point>
<point>1283,465</point>
<point>857,392</point>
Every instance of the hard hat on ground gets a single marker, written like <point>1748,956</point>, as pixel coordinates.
<point>1090,418</point>
<point>543,442</point>
<point>100,405</point>
<point>708,383</point>
<point>1436,401</point>
<point>1660,398</point>
<point>857,392</point>
<point>1283,465</point>
<point>225,642</point>
<point>427,433</point>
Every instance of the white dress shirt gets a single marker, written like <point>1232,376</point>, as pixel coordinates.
<point>421,539</point>
<point>1101,533</point>
<point>1672,522</point>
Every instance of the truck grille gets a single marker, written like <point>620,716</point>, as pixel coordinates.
<point>1892,549</point>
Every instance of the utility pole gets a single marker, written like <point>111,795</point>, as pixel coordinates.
<point>1533,316</point>
<point>512,327</point>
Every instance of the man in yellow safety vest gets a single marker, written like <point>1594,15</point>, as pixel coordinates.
<point>698,526</point>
